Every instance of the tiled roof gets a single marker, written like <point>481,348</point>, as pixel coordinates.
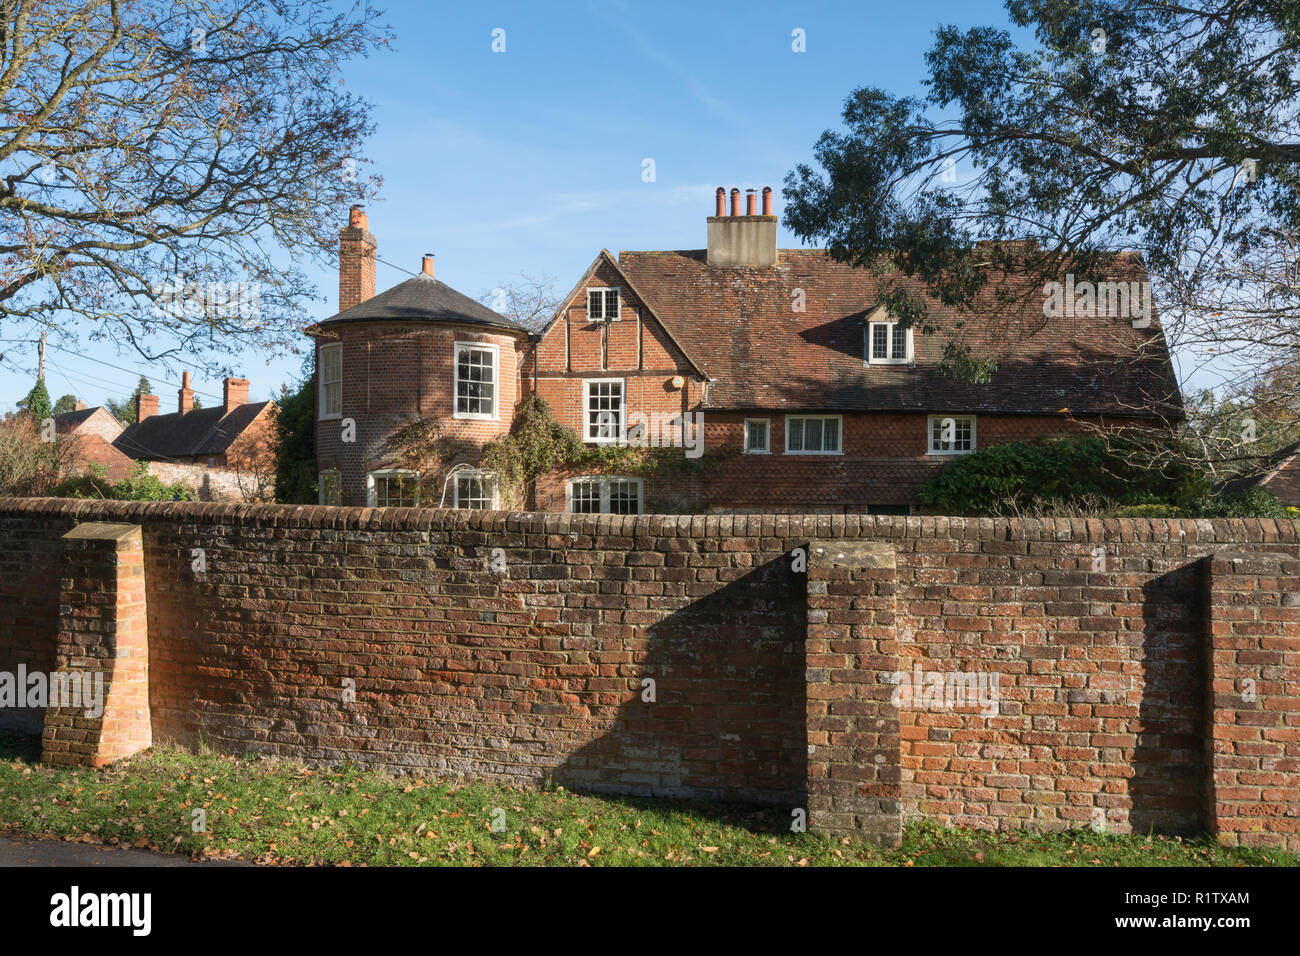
<point>203,431</point>
<point>92,449</point>
<point>761,354</point>
<point>422,299</point>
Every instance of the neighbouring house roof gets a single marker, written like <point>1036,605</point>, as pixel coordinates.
<point>71,421</point>
<point>1279,474</point>
<point>422,299</point>
<point>760,353</point>
<point>92,449</point>
<point>203,431</point>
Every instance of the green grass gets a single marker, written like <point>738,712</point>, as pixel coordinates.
<point>273,811</point>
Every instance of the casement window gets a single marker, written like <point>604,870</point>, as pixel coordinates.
<point>605,496</point>
<point>952,434</point>
<point>475,489</point>
<point>476,380</point>
<point>602,305</point>
<point>813,434</point>
<point>331,487</point>
<point>888,344</point>
<point>758,437</point>
<point>331,381</point>
<point>602,404</point>
<point>393,488</point>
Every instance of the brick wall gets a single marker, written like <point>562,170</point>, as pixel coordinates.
<point>1095,630</point>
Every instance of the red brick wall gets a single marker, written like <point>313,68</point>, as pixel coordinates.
<point>1095,630</point>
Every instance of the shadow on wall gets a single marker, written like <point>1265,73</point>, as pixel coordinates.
<point>1167,786</point>
<point>725,716</point>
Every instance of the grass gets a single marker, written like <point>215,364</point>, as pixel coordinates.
<point>277,812</point>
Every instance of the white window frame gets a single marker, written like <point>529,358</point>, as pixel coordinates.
<point>325,414</point>
<point>933,447</point>
<point>320,485</point>
<point>621,437</point>
<point>837,418</point>
<point>604,481</point>
<point>455,380</point>
<point>372,496</point>
<point>483,474</point>
<point>890,325</point>
<point>618,303</point>
<point>758,451</point>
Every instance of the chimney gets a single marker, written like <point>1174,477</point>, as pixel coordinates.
<point>235,393</point>
<point>722,203</point>
<point>426,265</point>
<point>145,407</point>
<point>747,241</point>
<point>357,250</point>
<point>81,406</point>
<point>185,395</point>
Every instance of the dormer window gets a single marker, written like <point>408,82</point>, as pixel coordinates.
<point>602,305</point>
<point>888,343</point>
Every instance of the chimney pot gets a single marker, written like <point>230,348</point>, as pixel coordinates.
<point>426,266</point>
<point>767,200</point>
<point>357,218</point>
<point>751,203</point>
<point>721,201</point>
<point>81,406</point>
<point>735,202</point>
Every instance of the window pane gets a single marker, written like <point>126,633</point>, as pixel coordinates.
<point>812,434</point>
<point>475,381</point>
<point>586,497</point>
<point>756,439</point>
<point>594,306</point>
<point>831,434</point>
<point>623,498</point>
<point>604,410</point>
<point>900,342</point>
<point>879,341</point>
<point>611,303</point>
<point>796,435</point>
<point>474,491</point>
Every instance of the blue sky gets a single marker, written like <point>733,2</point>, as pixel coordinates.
<point>530,161</point>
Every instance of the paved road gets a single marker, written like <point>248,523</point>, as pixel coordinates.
<point>28,851</point>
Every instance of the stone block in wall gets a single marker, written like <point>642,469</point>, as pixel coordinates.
<point>854,760</point>
<point>1252,720</point>
<point>98,706</point>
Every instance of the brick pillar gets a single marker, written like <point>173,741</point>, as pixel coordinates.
<point>102,634</point>
<point>1252,720</point>
<point>854,762</point>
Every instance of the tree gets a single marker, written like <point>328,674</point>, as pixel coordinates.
<point>37,401</point>
<point>527,300</point>
<point>124,410</point>
<point>30,465</point>
<point>1168,129</point>
<point>159,157</point>
<point>65,404</point>
<point>295,459</point>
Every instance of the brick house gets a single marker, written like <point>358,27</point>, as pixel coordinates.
<point>95,430</point>
<point>781,368</point>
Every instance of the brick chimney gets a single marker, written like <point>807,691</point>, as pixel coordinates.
<point>235,393</point>
<point>357,250</point>
<point>185,396</point>
<point>426,265</point>
<point>145,407</point>
<point>81,406</point>
<point>747,241</point>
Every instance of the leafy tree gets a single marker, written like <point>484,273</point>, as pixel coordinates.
<point>1169,129</point>
<point>124,410</point>
<point>155,149</point>
<point>295,467</point>
<point>65,404</point>
<point>37,401</point>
